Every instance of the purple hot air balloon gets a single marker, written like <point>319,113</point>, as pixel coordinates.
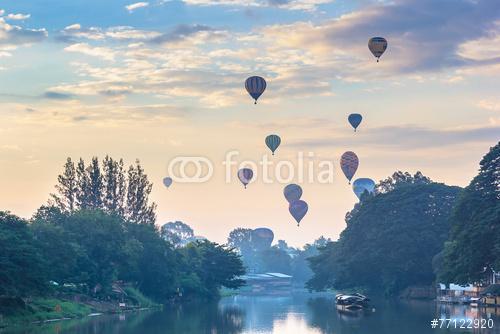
<point>298,210</point>
<point>245,175</point>
<point>167,181</point>
<point>292,192</point>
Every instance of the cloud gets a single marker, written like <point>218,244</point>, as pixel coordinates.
<point>184,31</point>
<point>409,137</point>
<point>57,96</point>
<point>136,5</point>
<point>11,35</point>
<point>492,105</point>
<point>307,5</point>
<point>86,49</point>
<point>75,26</point>
<point>19,17</point>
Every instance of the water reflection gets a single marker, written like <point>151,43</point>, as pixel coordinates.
<point>290,314</point>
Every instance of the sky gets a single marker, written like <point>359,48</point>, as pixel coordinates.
<point>157,80</point>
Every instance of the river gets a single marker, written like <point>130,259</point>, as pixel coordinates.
<point>291,314</point>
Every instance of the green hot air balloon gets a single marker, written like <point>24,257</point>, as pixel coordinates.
<point>273,142</point>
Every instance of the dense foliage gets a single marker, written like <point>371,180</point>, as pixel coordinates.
<point>91,249</point>
<point>390,238</point>
<point>474,245</point>
<point>99,230</point>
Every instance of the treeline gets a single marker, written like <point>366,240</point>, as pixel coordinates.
<point>259,257</point>
<point>415,232</point>
<point>99,230</point>
<point>257,252</point>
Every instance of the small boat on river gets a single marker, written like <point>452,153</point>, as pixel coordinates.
<point>353,302</point>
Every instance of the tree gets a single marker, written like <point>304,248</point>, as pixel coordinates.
<point>106,187</point>
<point>138,209</point>
<point>21,267</point>
<point>474,243</point>
<point>275,260</point>
<point>208,267</point>
<point>67,188</point>
<point>390,239</point>
<point>177,233</point>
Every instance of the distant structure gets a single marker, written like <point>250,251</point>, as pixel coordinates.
<point>267,283</point>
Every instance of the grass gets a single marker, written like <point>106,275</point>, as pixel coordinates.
<point>42,309</point>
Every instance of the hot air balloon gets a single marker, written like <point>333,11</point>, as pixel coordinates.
<point>298,210</point>
<point>255,86</point>
<point>167,181</point>
<point>355,120</point>
<point>377,46</point>
<point>273,142</point>
<point>349,163</point>
<point>292,192</point>
<point>245,175</point>
<point>361,185</point>
<point>262,238</point>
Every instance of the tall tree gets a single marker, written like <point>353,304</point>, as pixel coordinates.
<point>114,185</point>
<point>83,192</point>
<point>96,184</point>
<point>138,208</point>
<point>67,188</point>
<point>474,243</point>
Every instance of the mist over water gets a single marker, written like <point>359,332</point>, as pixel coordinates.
<point>287,314</point>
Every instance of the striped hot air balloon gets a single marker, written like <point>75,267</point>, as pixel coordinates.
<point>377,46</point>
<point>355,120</point>
<point>273,142</point>
<point>245,175</point>
<point>349,163</point>
<point>255,86</point>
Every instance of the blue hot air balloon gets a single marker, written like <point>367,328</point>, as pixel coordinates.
<point>245,175</point>
<point>262,238</point>
<point>292,192</point>
<point>298,210</point>
<point>349,163</point>
<point>167,181</point>
<point>255,86</point>
<point>273,142</point>
<point>355,120</point>
<point>359,186</point>
<point>377,46</point>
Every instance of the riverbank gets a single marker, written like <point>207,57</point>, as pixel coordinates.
<point>18,312</point>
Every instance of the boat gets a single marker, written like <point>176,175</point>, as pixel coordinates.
<point>351,302</point>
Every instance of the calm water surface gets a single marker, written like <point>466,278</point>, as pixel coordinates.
<point>291,314</point>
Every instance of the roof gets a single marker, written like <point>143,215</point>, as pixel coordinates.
<point>266,276</point>
<point>456,287</point>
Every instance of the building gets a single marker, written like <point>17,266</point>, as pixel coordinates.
<point>267,283</point>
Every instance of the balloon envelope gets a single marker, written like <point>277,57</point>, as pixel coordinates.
<point>377,46</point>
<point>349,163</point>
<point>298,210</point>
<point>167,181</point>
<point>262,238</point>
<point>359,186</point>
<point>245,175</point>
<point>273,142</point>
<point>255,86</point>
<point>292,192</point>
<point>355,120</point>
